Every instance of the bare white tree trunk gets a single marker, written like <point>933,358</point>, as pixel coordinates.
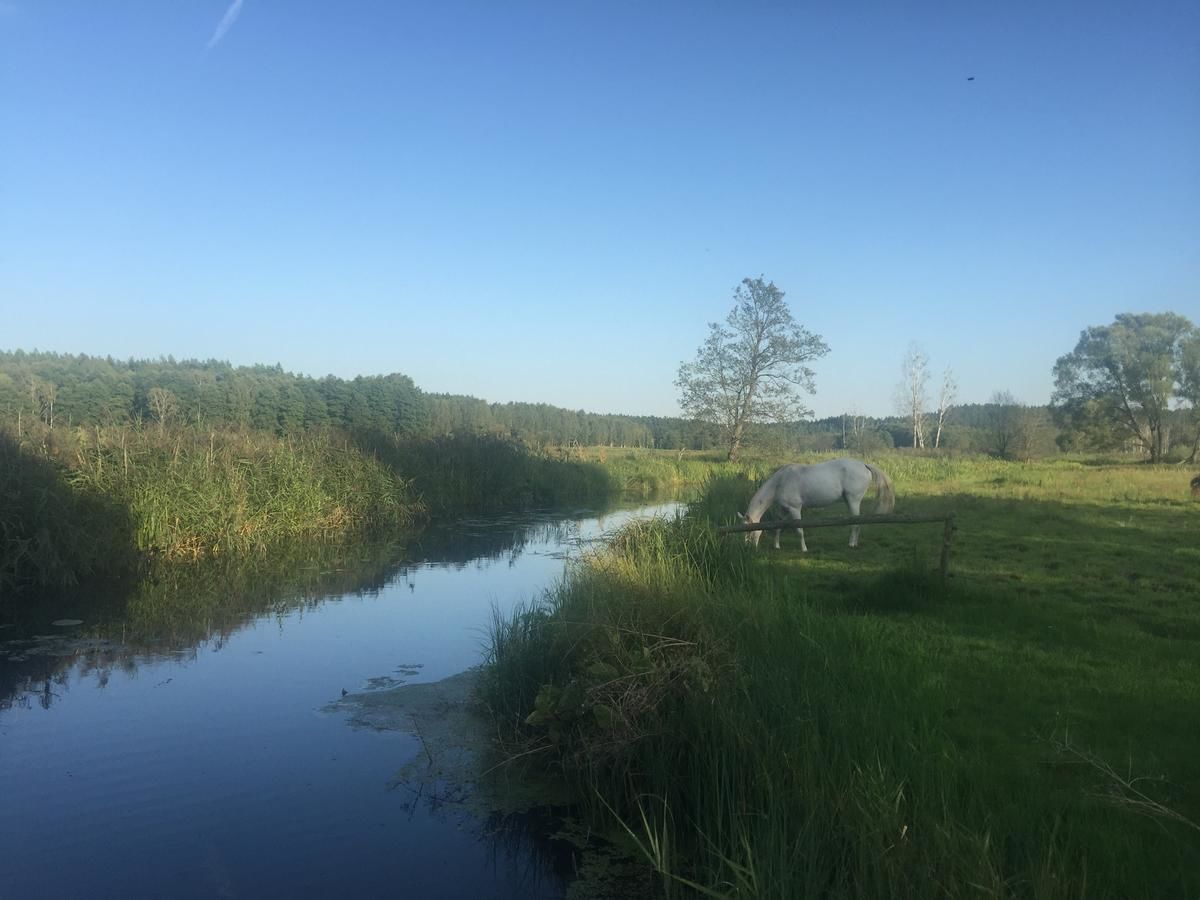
<point>35,396</point>
<point>163,405</point>
<point>49,395</point>
<point>946,398</point>
<point>858,426</point>
<point>915,378</point>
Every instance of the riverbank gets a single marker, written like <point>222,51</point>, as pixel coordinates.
<point>841,724</point>
<point>84,503</point>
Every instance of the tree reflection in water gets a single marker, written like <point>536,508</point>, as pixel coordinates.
<point>179,609</point>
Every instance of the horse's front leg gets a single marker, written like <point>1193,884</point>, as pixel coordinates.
<point>794,512</point>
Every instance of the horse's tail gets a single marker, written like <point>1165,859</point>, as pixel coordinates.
<point>887,495</point>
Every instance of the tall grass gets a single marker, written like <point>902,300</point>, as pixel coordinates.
<point>196,494</point>
<point>53,533</point>
<point>763,730</point>
<point>81,502</point>
<point>486,473</point>
<point>647,472</point>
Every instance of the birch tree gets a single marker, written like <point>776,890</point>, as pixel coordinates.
<point>914,382</point>
<point>163,405</point>
<point>946,398</point>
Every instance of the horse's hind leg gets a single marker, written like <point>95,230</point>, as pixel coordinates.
<point>854,506</point>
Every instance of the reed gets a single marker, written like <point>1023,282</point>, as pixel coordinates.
<point>85,502</point>
<point>195,494</point>
<point>487,473</point>
<point>53,533</point>
<point>91,501</point>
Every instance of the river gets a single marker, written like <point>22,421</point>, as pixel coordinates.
<point>176,741</point>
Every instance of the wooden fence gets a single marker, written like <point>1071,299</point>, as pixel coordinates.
<point>949,527</point>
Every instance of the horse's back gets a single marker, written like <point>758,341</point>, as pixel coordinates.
<point>821,484</point>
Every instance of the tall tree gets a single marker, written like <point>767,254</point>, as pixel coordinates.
<point>911,392</point>
<point>1120,378</point>
<point>1189,384</point>
<point>1015,431</point>
<point>946,397</point>
<point>47,395</point>
<point>751,369</point>
<point>1002,423</point>
<point>163,405</point>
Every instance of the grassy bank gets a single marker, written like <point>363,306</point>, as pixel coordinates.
<point>654,472</point>
<point>840,724</point>
<point>53,532</point>
<point>83,502</point>
<point>486,473</point>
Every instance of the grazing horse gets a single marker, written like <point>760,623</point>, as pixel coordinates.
<point>794,487</point>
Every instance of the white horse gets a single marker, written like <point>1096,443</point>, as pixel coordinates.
<point>794,487</point>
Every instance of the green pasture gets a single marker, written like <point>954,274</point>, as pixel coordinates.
<point>839,723</point>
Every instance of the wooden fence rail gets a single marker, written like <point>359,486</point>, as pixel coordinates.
<point>949,527</point>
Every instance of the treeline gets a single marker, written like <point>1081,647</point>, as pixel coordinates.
<point>64,389</point>
<point>61,389</point>
<point>541,425</point>
<point>78,390</point>
<point>1010,430</point>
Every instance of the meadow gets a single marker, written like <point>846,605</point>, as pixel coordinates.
<point>840,723</point>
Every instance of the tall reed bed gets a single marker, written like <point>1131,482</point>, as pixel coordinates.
<point>196,494</point>
<point>486,473</point>
<point>77,501</point>
<point>53,533</point>
<point>87,501</point>
<point>651,472</point>
<point>756,735</point>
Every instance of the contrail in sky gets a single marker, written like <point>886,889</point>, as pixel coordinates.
<point>226,23</point>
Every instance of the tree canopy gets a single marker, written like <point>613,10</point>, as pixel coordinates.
<point>753,368</point>
<point>1119,381</point>
<point>77,390</point>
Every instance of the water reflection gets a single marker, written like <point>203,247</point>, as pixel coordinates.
<point>173,740</point>
<point>178,611</point>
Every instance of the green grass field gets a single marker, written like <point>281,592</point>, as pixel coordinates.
<point>777,724</point>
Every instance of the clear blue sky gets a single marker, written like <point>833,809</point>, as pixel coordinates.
<point>548,202</point>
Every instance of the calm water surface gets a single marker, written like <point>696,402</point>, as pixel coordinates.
<point>174,743</point>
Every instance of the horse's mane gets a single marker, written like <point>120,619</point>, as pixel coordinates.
<point>765,496</point>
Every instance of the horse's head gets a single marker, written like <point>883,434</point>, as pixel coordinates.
<point>751,536</point>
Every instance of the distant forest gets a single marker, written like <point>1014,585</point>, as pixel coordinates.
<point>66,390</point>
